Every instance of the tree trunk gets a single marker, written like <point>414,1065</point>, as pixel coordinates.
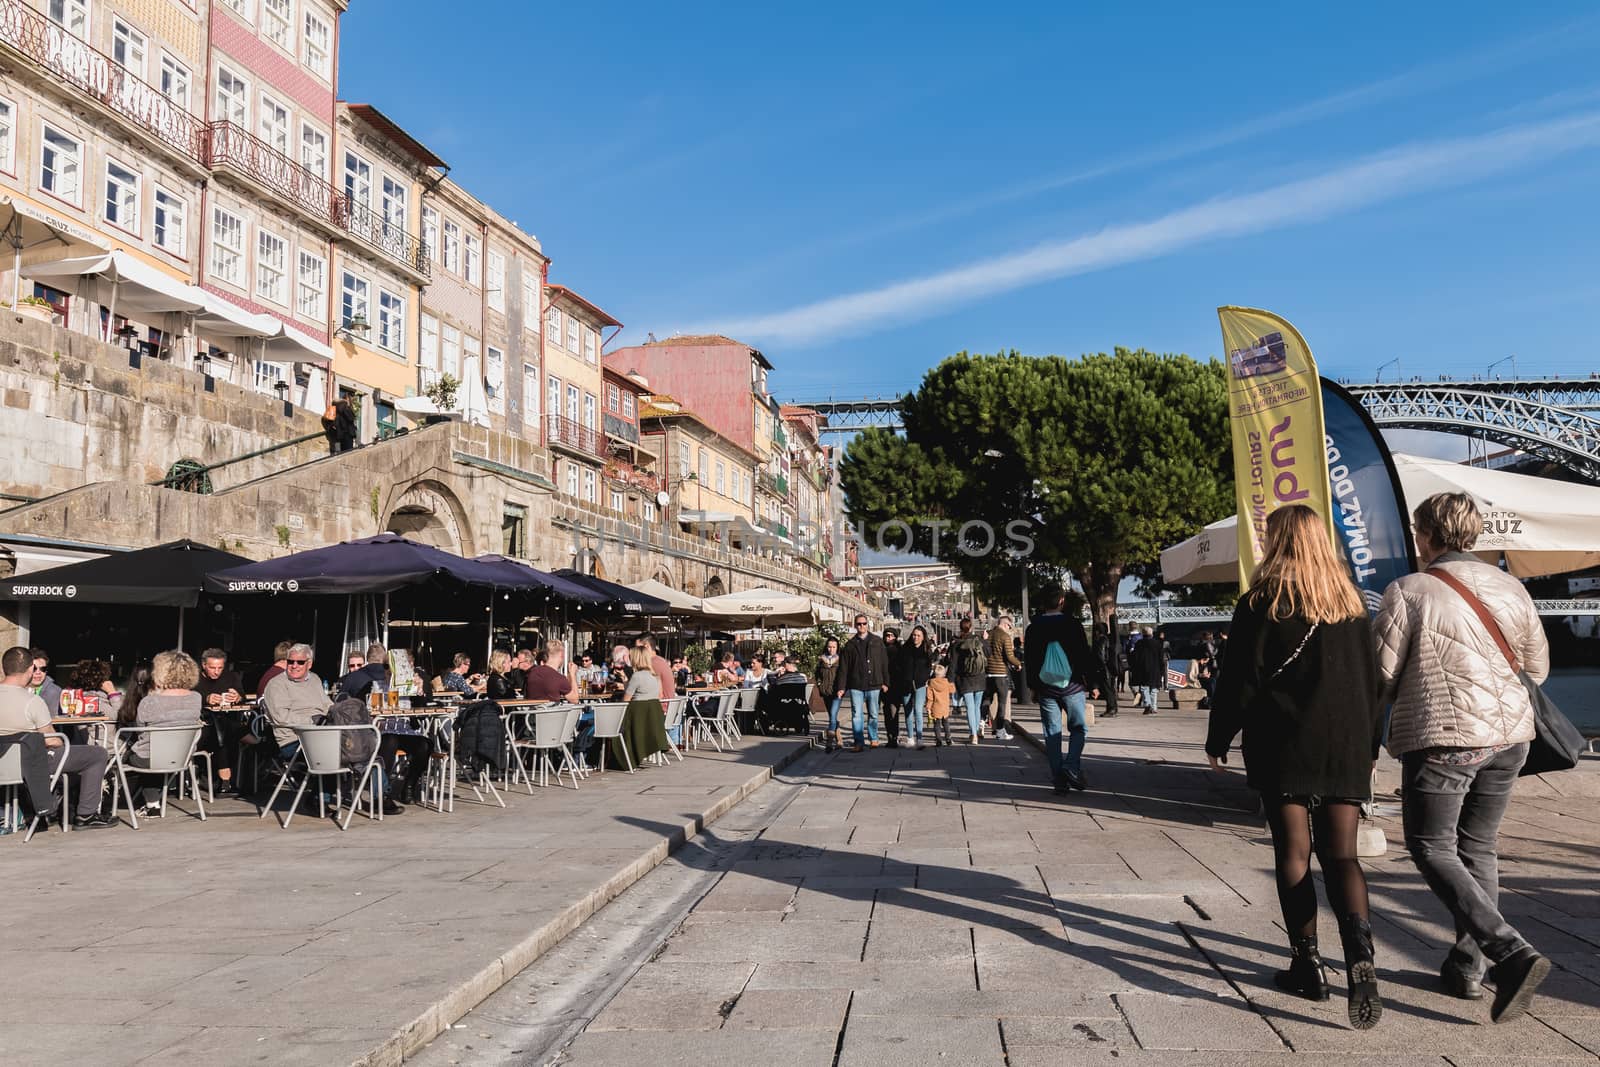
<point>1100,581</point>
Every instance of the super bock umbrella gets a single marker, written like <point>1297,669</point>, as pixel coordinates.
<point>167,575</point>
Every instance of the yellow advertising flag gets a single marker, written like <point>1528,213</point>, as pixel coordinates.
<point>1275,410</point>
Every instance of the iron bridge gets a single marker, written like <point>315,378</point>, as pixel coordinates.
<point>1554,419</point>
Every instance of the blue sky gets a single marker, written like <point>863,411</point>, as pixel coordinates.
<point>861,190</point>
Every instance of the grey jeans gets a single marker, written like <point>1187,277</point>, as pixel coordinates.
<point>1452,822</point>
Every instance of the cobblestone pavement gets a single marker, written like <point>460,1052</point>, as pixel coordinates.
<point>944,906</point>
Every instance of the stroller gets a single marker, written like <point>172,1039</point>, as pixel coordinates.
<point>783,706</point>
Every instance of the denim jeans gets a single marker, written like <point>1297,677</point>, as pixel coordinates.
<point>833,713</point>
<point>1147,696</point>
<point>914,706</point>
<point>974,706</point>
<point>1052,702</point>
<point>1452,819</point>
<point>864,703</point>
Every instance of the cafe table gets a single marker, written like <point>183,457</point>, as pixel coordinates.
<point>101,733</point>
<point>433,721</point>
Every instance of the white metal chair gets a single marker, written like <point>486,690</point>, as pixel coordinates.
<point>321,756</point>
<point>748,699</point>
<point>675,712</point>
<point>553,730</point>
<point>703,718</point>
<point>570,738</point>
<point>608,720</point>
<point>171,756</point>
<point>11,778</point>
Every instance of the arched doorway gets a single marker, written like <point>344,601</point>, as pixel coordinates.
<point>428,512</point>
<point>714,587</point>
<point>664,576</point>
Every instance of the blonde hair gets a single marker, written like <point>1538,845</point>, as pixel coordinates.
<point>639,658</point>
<point>1449,520</point>
<point>1299,574</point>
<point>174,670</point>
<point>499,661</point>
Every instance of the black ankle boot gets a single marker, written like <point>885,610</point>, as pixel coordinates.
<point>1307,975</point>
<point>1361,974</point>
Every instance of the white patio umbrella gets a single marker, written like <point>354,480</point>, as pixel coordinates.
<point>1539,526</point>
<point>760,607</point>
<point>682,603</point>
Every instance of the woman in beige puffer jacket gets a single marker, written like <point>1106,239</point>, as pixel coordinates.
<point>1460,726</point>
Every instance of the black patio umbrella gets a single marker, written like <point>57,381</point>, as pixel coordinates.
<point>621,598</point>
<point>380,564</point>
<point>169,575</point>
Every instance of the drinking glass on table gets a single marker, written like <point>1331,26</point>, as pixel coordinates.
<point>394,699</point>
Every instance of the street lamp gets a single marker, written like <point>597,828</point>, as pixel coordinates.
<point>1512,359</point>
<point>356,324</point>
<point>281,387</point>
<point>1379,376</point>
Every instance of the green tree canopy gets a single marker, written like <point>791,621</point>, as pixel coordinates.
<point>1102,461</point>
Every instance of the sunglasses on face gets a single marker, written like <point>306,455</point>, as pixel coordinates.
<point>860,624</point>
<point>297,662</point>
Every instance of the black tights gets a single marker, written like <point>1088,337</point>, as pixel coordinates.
<point>1328,829</point>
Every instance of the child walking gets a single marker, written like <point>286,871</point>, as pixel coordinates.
<point>941,691</point>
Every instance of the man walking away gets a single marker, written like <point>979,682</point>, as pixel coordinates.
<point>1146,669</point>
<point>1000,657</point>
<point>864,674</point>
<point>1062,672</point>
<point>969,667</point>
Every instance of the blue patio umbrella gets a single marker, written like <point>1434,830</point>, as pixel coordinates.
<point>378,564</point>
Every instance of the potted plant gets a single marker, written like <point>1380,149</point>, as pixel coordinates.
<point>35,307</point>
<point>443,394</point>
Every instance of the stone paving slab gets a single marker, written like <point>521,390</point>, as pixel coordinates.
<point>232,941</point>
<point>947,907</point>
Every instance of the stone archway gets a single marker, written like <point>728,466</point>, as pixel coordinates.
<point>664,576</point>
<point>429,512</point>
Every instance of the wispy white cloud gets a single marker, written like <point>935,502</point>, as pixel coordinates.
<point>1400,172</point>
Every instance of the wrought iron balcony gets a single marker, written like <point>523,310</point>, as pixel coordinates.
<point>628,474</point>
<point>560,432</point>
<point>387,237</point>
<point>231,145</point>
<point>100,78</point>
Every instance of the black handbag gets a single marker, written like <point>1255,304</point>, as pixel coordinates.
<point>1557,744</point>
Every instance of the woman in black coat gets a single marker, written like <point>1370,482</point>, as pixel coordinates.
<point>910,665</point>
<point>1302,685</point>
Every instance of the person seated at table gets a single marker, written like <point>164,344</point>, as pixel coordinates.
<point>220,688</point>
<point>589,674</point>
<point>460,679</point>
<point>547,681</point>
<point>137,688</point>
<point>621,665</point>
<point>644,723</point>
<point>497,686</point>
<point>93,678</point>
<point>757,676</point>
<point>23,712</point>
<point>172,701</point>
<point>682,676</point>
<point>280,658</point>
<point>44,687</point>
<point>368,671</point>
<point>660,667</point>
<point>293,698</point>
<point>521,664</point>
<point>728,673</point>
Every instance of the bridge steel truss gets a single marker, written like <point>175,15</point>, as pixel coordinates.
<point>1557,420</point>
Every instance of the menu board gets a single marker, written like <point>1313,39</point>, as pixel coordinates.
<point>403,673</point>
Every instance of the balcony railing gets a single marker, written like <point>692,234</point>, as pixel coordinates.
<point>99,77</point>
<point>569,433</point>
<point>387,237</point>
<point>231,145</point>
<point>234,146</point>
<point>768,484</point>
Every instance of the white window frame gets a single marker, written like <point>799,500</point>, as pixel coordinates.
<point>430,232</point>
<point>472,259</point>
<point>171,222</point>
<point>227,258</point>
<point>573,329</point>
<point>428,346</point>
<point>530,396</point>
<point>591,486</point>
<point>572,478</point>
<point>647,510</point>
<point>274,123</point>
<point>451,249</point>
<point>243,8</point>
<point>553,323</point>
<point>355,298</point>
<point>311,286</point>
<point>123,206</point>
<point>233,101</point>
<point>127,39</point>
<point>393,198</point>
<point>616,500</point>
<point>8,135</point>
<point>494,280</point>
<point>357,179</point>
<point>574,399</point>
<point>497,397</point>
<point>65,12</point>
<point>591,411</point>
<point>613,398</point>
<point>66,178</point>
<point>314,150</point>
<point>317,45</point>
<point>277,23</point>
<point>272,267</point>
<point>175,80</point>
<point>450,351</point>
<point>391,325</point>
<point>552,395</point>
<point>627,405</point>
<point>530,306</point>
<point>590,347</point>
<point>722,478</point>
